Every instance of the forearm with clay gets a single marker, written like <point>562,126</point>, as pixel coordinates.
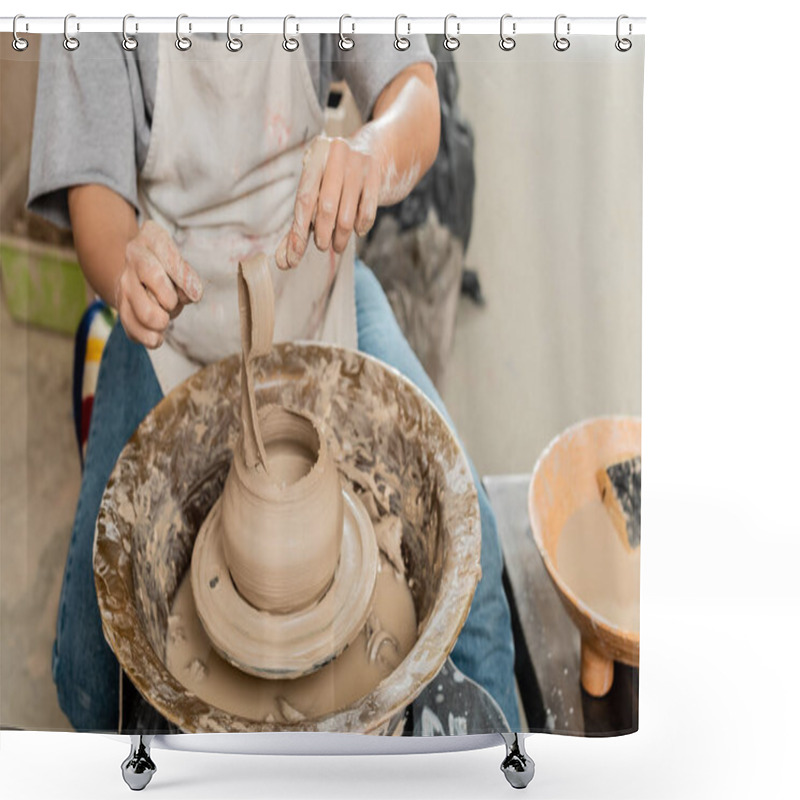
<point>403,133</point>
<point>138,271</point>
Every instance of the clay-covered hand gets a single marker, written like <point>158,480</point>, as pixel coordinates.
<point>338,194</point>
<point>345,180</point>
<point>154,285</point>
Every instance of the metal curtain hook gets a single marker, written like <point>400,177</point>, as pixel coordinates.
<point>18,43</point>
<point>451,42</point>
<point>507,42</point>
<point>128,42</point>
<point>70,42</point>
<point>345,42</point>
<point>623,44</point>
<point>233,44</point>
<point>182,42</point>
<point>290,44</point>
<point>401,42</point>
<point>561,43</point>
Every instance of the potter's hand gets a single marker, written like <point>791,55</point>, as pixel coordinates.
<point>338,194</point>
<point>154,285</point>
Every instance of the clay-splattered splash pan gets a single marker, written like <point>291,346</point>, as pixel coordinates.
<point>386,437</point>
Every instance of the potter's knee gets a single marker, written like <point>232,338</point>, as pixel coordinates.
<point>54,663</point>
<point>65,664</point>
<point>86,702</point>
<point>61,670</point>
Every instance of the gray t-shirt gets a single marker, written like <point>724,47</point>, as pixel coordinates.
<point>94,106</point>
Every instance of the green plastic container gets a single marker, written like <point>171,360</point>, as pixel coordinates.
<point>42,284</point>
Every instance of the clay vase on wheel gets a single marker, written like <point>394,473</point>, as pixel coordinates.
<point>282,522</point>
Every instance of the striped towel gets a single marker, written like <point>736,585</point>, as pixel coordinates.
<point>93,332</point>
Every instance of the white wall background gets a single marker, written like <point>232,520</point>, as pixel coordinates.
<point>556,241</point>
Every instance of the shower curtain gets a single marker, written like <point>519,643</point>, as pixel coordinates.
<point>453,231</point>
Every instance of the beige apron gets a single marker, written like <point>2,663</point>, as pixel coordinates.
<point>227,142</point>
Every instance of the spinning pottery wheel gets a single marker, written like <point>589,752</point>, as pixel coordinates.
<point>397,456</point>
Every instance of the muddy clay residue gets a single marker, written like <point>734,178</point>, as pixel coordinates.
<point>381,636</point>
<point>387,637</point>
<point>595,565</point>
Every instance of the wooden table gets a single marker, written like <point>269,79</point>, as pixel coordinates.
<point>547,643</point>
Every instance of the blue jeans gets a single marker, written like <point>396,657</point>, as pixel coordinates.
<point>85,669</point>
